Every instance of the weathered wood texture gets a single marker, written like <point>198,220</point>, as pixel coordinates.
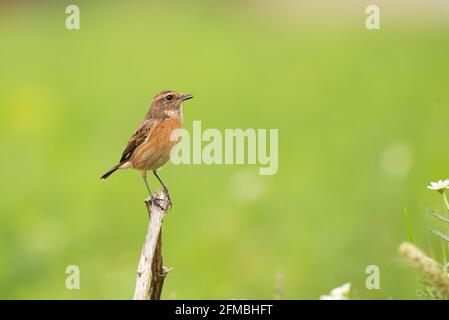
<point>151,272</point>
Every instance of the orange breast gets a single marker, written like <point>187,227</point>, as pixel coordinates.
<point>154,152</point>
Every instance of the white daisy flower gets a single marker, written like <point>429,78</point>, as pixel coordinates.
<point>439,186</point>
<point>340,293</point>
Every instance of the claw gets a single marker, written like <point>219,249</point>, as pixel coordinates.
<point>153,200</point>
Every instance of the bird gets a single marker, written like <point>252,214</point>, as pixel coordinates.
<point>149,147</point>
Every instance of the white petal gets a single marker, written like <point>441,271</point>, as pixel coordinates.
<point>342,290</point>
<point>326,297</point>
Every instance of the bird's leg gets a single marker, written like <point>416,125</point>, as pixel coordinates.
<point>151,199</point>
<point>160,180</point>
<point>165,188</point>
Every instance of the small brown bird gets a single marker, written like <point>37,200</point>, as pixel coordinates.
<point>149,147</point>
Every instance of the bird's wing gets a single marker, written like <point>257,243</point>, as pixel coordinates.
<point>137,139</point>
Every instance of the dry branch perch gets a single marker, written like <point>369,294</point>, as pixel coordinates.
<point>150,272</point>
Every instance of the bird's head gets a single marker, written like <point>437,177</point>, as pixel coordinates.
<point>168,103</point>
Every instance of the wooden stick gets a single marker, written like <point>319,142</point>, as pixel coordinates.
<point>150,272</point>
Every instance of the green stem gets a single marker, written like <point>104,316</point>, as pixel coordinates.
<point>446,203</point>
<point>444,244</point>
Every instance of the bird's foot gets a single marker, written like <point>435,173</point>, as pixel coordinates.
<point>167,194</point>
<point>153,200</point>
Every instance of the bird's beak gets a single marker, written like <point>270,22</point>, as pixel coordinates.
<point>186,96</point>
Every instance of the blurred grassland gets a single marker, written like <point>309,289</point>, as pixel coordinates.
<point>341,97</point>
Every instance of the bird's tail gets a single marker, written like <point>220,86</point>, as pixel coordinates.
<point>107,174</point>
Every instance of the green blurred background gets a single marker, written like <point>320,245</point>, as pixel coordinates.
<point>362,118</point>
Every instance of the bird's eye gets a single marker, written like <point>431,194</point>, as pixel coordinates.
<point>168,97</point>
